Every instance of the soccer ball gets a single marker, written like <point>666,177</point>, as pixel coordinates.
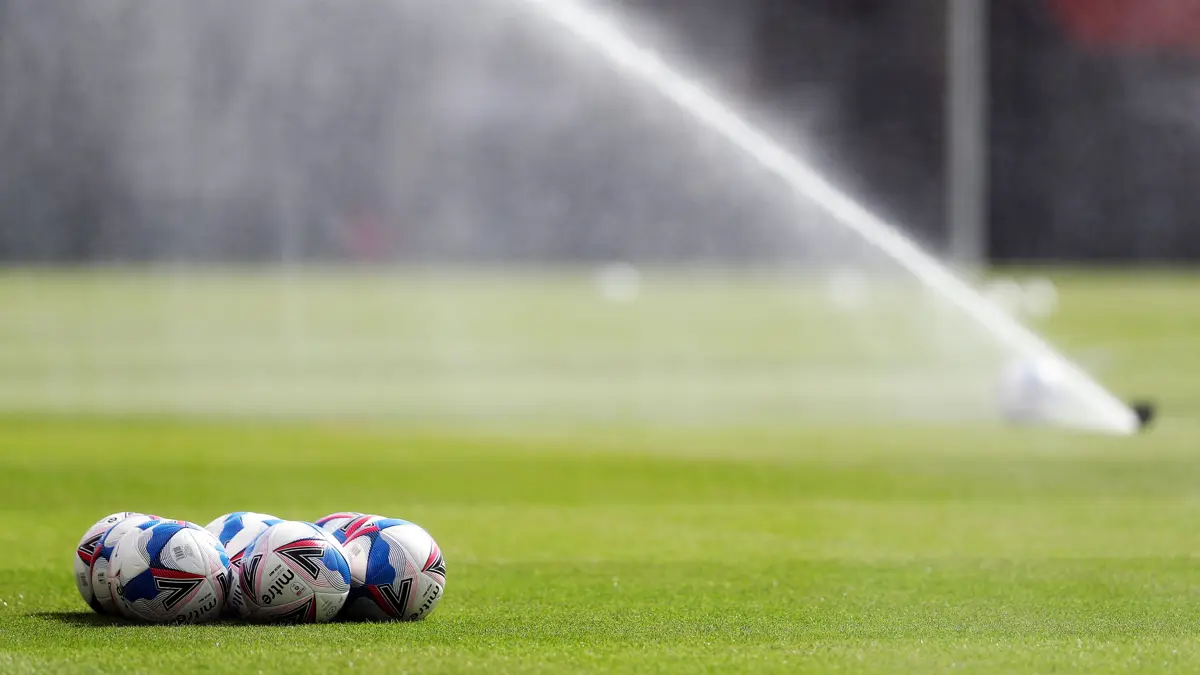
<point>337,523</point>
<point>86,550</point>
<point>174,571</point>
<point>236,531</point>
<point>397,571</point>
<point>293,571</point>
<point>114,563</point>
<point>102,563</point>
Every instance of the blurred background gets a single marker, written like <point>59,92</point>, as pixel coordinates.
<point>221,206</point>
<point>1090,136</point>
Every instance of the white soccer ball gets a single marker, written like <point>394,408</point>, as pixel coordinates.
<point>236,531</point>
<point>84,553</point>
<point>337,523</point>
<point>295,572</point>
<point>173,572</point>
<point>397,571</point>
<point>102,563</point>
<point>114,563</point>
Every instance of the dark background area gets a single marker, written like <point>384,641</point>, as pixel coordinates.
<point>1094,132</point>
<point>1095,116</point>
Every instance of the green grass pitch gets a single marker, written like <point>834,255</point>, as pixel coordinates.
<point>753,548</point>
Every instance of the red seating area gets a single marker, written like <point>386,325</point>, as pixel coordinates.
<point>1133,25</point>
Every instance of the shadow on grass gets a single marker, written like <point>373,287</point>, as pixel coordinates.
<point>86,619</point>
<point>93,620</point>
<point>82,619</point>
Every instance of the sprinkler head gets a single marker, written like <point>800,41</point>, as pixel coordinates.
<point>1145,411</point>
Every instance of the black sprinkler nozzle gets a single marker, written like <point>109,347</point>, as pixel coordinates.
<point>1145,411</point>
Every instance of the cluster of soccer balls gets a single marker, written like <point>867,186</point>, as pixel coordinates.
<point>260,568</point>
